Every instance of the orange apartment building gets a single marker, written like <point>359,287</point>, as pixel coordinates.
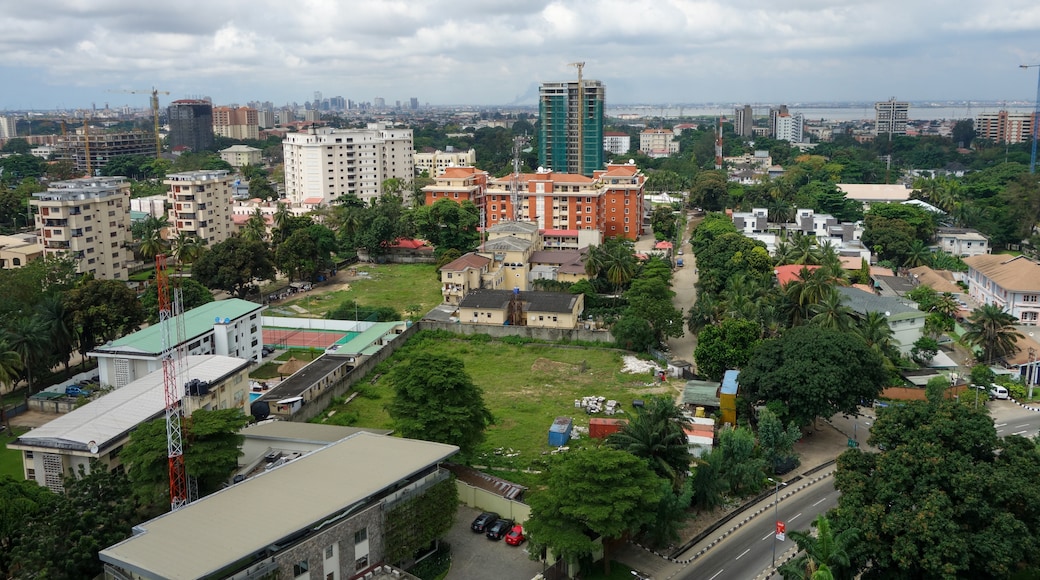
<point>611,201</point>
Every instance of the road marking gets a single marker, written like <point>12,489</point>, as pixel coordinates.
<point>819,502</point>
<point>716,574</point>
<point>795,517</point>
<point>1019,432</point>
<point>740,556</point>
<point>1022,425</point>
<point>1000,425</point>
<point>999,431</point>
<point>767,536</point>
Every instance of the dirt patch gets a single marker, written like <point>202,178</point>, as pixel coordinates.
<point>544,365</point>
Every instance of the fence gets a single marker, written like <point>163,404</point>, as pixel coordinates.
<point>494,331</point>
<point>485,500</point>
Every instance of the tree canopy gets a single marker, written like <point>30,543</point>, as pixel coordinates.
<point>234,266</point>
<point>725,346</point>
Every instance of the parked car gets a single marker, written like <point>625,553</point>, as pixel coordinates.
<point>76,391</point>
<point>998,392</point>
<point>515,537</point>
<point>482,522</point>
<point>498,529</point>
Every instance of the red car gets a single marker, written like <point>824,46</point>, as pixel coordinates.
<point>515,537</point>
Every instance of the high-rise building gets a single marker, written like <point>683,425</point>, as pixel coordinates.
<point>890,117</point>
<point>413,103</point>
<point>1005,127</point>
<point>236,122</point>
<point>323,164</point>
<point>744,121</point>
<point>103,147</point>
<point>200,204</point>
<point>789,127</point>
<point>88,218</point>
<point>191,124</point>
<point>435,162</point>
<point>8,127</point>
<point>775,112</point>
<point>571,128</point>
<point>379,103</point>
<point>265,118</point>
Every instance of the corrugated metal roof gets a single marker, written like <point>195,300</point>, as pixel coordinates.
<point>197,321</point>
<point>729,382</point>
<point>237,522</point>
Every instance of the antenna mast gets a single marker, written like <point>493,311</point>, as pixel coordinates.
<point>174,443</point>
<point>718,145</point>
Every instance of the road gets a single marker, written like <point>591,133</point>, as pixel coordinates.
<point>1010,419</point>
<point>748,552</point>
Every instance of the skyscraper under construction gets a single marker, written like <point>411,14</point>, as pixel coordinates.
<point>571,129</point>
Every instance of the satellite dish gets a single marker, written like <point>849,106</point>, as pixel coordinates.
<point>92,445</point>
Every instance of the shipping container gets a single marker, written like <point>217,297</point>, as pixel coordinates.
<point>560,432</point>
<point>601,428</point>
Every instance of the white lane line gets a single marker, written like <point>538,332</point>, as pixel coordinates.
<point>1019,432</point>
<point>742,554</point>
<point>767,536</point>
<point>1022,425</point>
<point>716,574</point>
<point>795,517</point>
<point>819,502</point>
<point>1000,425</point>
<point>999,431</point>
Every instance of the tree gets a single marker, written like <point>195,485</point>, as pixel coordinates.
<point>992,330</point>
<point>743,469</point>
<point>815,371</point>
<point>103,310</point>
<point>776,442</point>
<point>663,221</point>
<point>826,550</point>
<point>709,190</point>
<point>436,400</point>
<point>633,333</point>
<point>306,253</point>
<point>255,228</point>
<point>924,350</point>
<point>830,312</point>
<point>27,336</point>
<point>186,248</point>
<point>448,225</point>
<point>193,295</point>
<point>723,346</point>
<point>595,491</point>
<point>10,367</point>
<point>21,502</point>
<point>651,299</point>
<point>234,266</point>
<point>657,434</point>
<point>56,316</point>
<point>260,187</point>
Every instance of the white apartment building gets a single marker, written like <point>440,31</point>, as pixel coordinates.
<point>789,127</point>
<point>324,164</point>
<point>89,218</point>
<point>200,204</point>
<point>962,242</point>
<point>616,142</point>
<point>241,155</point>
<point>658,142</point>
<point>435,162</point>
<point>8,127</point>
<point>1012,283</point>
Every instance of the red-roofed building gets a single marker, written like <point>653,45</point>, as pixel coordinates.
<point>458,184</point>
<point>462,275</point>
<point>790,272</point>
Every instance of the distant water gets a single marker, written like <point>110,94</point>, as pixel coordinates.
<point>849,113</point>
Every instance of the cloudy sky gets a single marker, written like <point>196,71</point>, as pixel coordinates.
<point>69,53</point>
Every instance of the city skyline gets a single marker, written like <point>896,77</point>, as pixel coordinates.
<point>65,54</point>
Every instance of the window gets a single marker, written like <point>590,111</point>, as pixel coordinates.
<point>28,454</point>
<point>329,551</point>
<point>1029,298</point>
<point>361,563</point>
<point>30,473</point>
<point>300,568</point>
<point>362,534</point>
<point>1030,316</point>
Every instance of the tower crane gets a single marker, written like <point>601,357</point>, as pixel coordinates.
<point>155,112</point>
<point>581,118</point>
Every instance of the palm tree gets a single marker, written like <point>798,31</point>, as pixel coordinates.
<point>810,288</point>
<point>825,555</point>
<point>619,263</point>
<point>875,331</point>
<point>917,255</point>
<point>804,250</point>
<point>706,311</point>
<point>946,305</point>
<point>992,329</point>
<point>152,244</point>
<point>10,366</point>
<point>27,336</point>
<point>255,228</point>
<point>593,261</point>
<point>831,313</point>
<point>186,248</point>
<point>657,434</point>
<point>56,316</point>
<point>783,253</point>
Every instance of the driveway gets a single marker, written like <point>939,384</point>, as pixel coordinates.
<point>474,557</point>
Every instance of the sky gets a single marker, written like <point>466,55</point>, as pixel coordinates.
<point>71,53</point>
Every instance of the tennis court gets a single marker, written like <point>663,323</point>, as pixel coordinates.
<point>289,337</point>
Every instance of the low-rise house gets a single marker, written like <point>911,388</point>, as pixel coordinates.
<point>962,242</point>
<point>541,309</point>
<point>905,320</point>
<point>464,275</point>
<point>18,250</point>
<point>1010,282</point>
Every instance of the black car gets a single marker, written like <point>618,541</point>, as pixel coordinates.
<point>498,529</point>
<point>480,525</point>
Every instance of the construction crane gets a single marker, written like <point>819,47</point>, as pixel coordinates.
<point>155,113</point>
<point>179,494</point>
<point>581,118</point>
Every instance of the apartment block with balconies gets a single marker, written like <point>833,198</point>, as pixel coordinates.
<point>200,205</point>
<point>88,218</point>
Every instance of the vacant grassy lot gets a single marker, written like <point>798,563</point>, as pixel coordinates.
<point>11,459</point>
<point>525,387</point>
<point>399,286</point>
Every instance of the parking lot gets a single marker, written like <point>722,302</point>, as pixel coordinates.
<point>474,557</point>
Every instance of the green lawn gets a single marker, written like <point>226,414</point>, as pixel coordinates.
<point>11,459</point>
<point>525,387</point>
<point>395,285</point>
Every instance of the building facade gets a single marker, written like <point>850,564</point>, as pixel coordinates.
<point>617,143</point>
<point>200,205</point>
<point>88,218</point>
<point>1005,127</point>
<point>434,163</point>
<point>329,163</point>
<point>241,155</point>
<point>8,127</point>
<point>658,143</point>
<point>890,117</point>
<point>236,122</point>
<point>571,128</point>
<point>1012,283</point>
<point>744,121</point>
<point>961,242</point>
<point>789,127</point>
<point>191,124</point>
<point>103,147</point>
<point>19,249</point>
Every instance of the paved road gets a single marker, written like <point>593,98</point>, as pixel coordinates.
<point>1011,419</point>
<point>748,552</point>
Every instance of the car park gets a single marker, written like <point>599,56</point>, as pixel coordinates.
<point>76,391</point>
<point>498,529</point>
<point>483,521</point>
<point>515,537</point>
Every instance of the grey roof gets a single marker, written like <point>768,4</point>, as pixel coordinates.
<point>305,378</point>
<point>864,302</point>
<point>308,432</point>
<point>556,257</point>
<point>512,227</point>
<point>532,301</point>
<point>704,393</point>
<point>506,244</point>
<point>237,523</point>
<point>486,299</point>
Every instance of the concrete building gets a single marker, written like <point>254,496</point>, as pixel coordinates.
<point>570,133</point>
<point>868,193</point>
<point>334,517</point>
<point>239,156</point>
<point>229,327</point>
<point>906,321</point>
<point>90,219</point>
<point>1012,283</point>
<point>236,123</point>
<point>617,143</point>
<point>890,117</point>
<point>775,112</point>
<point>539,309</point>
<point>657,143</point>
<point>464,275</point>
<point>99,429</point>
<point>191,125</point>
<point>435,162</point>
<point>19,249</point>
<point>1005,127</point>
<point>789,127</point>
<point>200,205</point>
<point>458,184</point>
<point>8,127</point>
<point>103,147</point>
<point>744,121</point>
<point>962,242</point>
<point>329,163</point>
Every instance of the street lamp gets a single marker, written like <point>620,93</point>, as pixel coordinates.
<point>776,511</point>
<point>1036,113</point>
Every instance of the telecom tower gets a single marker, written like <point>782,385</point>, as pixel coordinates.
<point>179,495</point>
<point>514,180</point>
<point>718,145</point>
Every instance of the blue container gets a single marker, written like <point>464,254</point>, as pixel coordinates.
<point>560,432</point>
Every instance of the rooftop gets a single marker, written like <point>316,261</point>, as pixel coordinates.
<point>197,322</point>
<point>224,528</point>
<point>533,301</point>
<point>465,262</point>
<point>1019,274</point>
<point>864,302</point>
<point>875,192</point>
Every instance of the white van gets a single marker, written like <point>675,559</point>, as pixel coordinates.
<point>997,392</point>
